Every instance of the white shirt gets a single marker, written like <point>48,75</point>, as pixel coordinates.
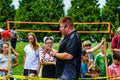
<point>32,57</point>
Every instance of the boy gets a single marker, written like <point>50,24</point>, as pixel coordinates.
<point>100,60</point>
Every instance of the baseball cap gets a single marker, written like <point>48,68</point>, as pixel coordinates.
<point>6,33</point>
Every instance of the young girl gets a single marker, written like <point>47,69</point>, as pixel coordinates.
<point>4,60</point>
<point>46,59</point>
<point>31,63</point>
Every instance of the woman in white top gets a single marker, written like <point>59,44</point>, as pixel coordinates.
<point>31,61</point>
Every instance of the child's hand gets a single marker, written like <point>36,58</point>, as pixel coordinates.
<point>5,69</point>
<point>103,40</point>
<point>92,75</point>
<point>17,54</point>
<point>46,49</point>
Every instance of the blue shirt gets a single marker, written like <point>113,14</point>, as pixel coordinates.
<point>91,56</point>
<point>84,69</point>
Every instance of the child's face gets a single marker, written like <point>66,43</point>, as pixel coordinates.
<point>5,38</point>
<point>85,58</point>
<point>117,62</point>
<point>102,49</point>
<point>87,47</point>
<point>5,48</point>
<point>31,39</point>
<point>95,74</point>
<point>49,43</point>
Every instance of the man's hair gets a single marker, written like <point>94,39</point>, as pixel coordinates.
<point>67,20</point>
<point>116,56</point>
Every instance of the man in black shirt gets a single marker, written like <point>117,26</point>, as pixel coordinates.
<point>69,53</point>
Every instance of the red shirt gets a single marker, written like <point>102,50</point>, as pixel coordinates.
<point>112,34</point>
<point>115,42</point>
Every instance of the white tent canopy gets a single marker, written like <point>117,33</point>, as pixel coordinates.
<point>1,29</point>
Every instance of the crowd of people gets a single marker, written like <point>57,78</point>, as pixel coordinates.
<point>69,62</point>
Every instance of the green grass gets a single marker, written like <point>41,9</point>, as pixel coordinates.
<point>20,49</point>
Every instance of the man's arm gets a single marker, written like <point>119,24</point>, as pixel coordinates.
<point>62,56</point>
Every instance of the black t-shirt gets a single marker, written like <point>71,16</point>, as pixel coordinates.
<point>70,69</point>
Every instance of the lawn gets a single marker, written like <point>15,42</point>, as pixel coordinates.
<point>20,46</point>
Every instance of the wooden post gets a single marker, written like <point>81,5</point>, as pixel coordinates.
<point>8,25</point>
<point>9,52</point>
<point>106,61</point>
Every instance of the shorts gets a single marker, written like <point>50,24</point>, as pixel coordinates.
<point>29,71</point>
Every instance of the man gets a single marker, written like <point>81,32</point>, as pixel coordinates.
<point>6,36</point>
<point>14,38</point>
<point>115,44</point>
<point>69,54</point>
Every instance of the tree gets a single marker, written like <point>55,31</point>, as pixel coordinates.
<point>39,11</point>
<point>85,11</point>
<point>110,12</point>
<point>7,12</point>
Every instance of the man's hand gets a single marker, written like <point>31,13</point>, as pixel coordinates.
<point>53,53</point>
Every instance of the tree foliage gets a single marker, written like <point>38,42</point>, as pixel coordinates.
<point>85,11</point>
<point>7,12</point>
<point>110,12</point>
<point>39,11</point>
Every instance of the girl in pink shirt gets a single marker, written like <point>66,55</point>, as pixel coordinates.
<point>48,61</point>
<point>114,68</point>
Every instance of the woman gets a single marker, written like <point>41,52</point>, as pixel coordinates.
<point>31,63</point>
<point>46,59</point>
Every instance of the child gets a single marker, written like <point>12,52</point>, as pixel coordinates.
<point>88,49</point>
<point>84,67</point>
<point>100,60</point>
<point>48,61</point>
<point>6,36</point>
<point>87,46</point>
<point>4,60</point>
<point>114,68</point>
<point>31,61</point>
<point>95,70</point>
